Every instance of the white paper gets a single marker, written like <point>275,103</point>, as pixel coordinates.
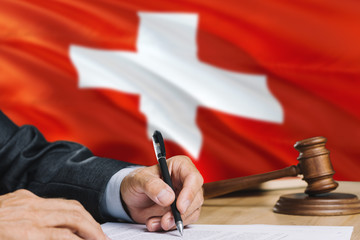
<point>126,231</point>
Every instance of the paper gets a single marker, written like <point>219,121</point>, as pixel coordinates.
<point>126,231</point>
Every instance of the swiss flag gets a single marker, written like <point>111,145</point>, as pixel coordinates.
<point>233,84</point>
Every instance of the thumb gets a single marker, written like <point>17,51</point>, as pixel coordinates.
<point>158,191</point>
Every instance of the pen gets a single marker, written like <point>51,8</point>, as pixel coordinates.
<point>161,157</point>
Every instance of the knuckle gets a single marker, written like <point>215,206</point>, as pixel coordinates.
<point>182,159</point>
<point>201,198</point>
<point>196,215</point>
<point>24,192</point>
<point>200,201</point>
<point>76,205</point>
<point>198,190</point>
<point>200,179</point>
<point>76,216</point>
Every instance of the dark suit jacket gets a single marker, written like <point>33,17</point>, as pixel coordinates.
<point>58,169</point>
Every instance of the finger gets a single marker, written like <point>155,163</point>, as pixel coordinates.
<point>193,217</point>
<point>21,230</point>
<point>142,215</point>
<point>188,179</point>
<point>74,221</point>
<point>165,222</point>
<point>57,206</point>
<point>156,189</point>
<point>154,224</point>
<point>168,221</point>
<point>65,219</point>
<point>195,204</point>
<point>40,212</point>
<point>23,200</point>
<point>66,206</point>
<point>65,214</point>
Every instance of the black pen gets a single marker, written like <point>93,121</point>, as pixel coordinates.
<point>161,157</point>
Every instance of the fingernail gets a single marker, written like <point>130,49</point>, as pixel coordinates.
<point>163,196</point>
<point>155,225</point>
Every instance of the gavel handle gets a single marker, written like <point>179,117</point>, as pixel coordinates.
<point>218,188</point>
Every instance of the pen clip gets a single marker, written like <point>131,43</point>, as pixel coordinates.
<point>159,145</point>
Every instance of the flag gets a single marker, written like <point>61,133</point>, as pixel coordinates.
<point>231,84</point>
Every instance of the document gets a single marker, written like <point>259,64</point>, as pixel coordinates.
<point>126,231</point>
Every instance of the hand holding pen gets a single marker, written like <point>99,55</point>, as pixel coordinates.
<point>160,153</point>
<point>148,198</point>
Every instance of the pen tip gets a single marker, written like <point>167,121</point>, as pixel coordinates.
<point>181,232</point>
<point>180,227</point>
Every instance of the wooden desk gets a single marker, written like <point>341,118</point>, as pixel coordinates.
<point>255,207</point>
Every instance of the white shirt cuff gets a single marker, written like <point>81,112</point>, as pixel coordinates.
<point>112,204</point>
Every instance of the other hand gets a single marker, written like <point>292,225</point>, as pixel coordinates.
<point>23,215</point>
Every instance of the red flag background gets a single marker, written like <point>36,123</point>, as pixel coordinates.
<point>309,52</point>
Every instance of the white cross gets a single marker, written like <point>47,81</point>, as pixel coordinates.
<point>172,82</point>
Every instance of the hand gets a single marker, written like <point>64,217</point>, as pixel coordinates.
<point>148,197</point>
<point>24,215</point>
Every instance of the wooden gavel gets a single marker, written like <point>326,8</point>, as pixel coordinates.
<point>314,164</point>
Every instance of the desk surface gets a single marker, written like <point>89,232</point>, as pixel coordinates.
<point>255,207</point>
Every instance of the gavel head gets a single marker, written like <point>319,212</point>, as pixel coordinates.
<point>315,165</point>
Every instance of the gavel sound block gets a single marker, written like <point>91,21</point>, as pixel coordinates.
<point>316,168</point>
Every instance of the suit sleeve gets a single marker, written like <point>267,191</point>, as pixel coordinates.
<point>53,169</point>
